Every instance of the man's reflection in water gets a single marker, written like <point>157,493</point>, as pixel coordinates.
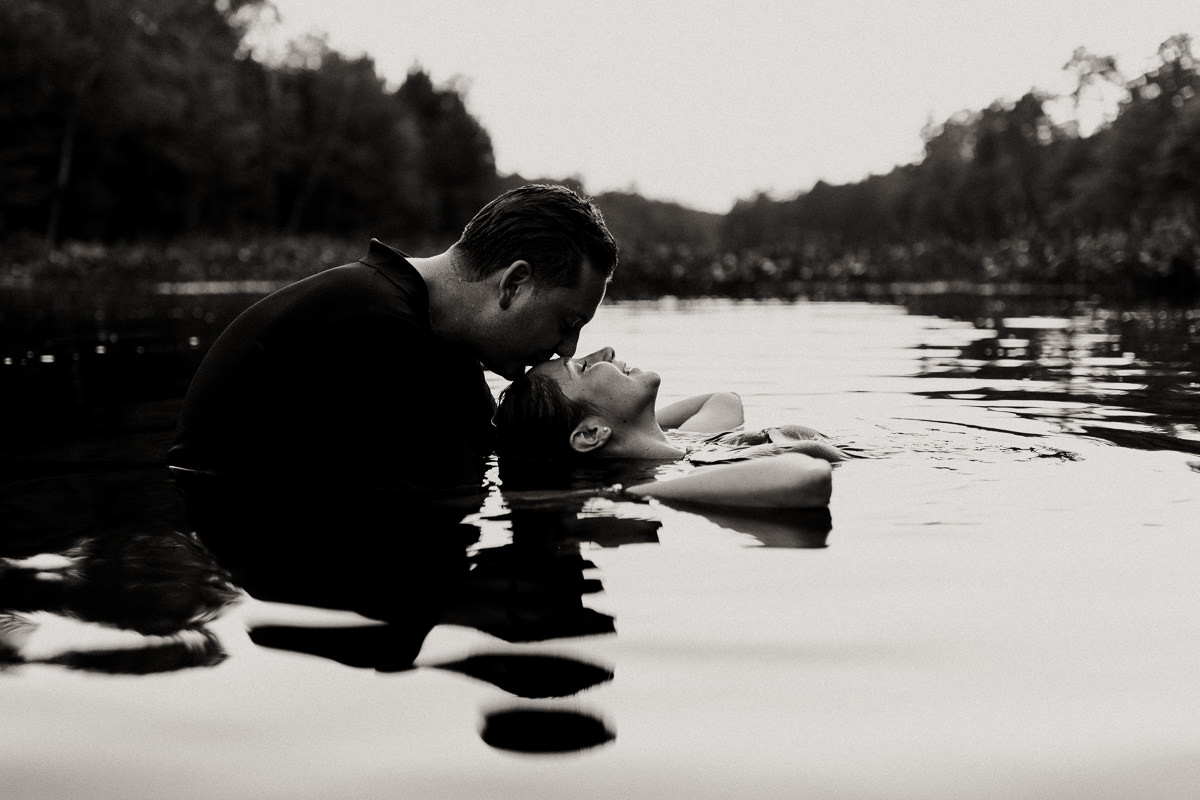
<point>539,730</point>
<point>382,554</point>
<point>545,559</point>
<point>409,564</point>
<point>136,599</point>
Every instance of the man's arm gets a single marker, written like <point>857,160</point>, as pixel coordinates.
<point>789,480</point>
<point>705,413</point>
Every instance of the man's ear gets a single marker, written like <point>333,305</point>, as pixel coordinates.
<point>515,277</point>
<point>589,435</point>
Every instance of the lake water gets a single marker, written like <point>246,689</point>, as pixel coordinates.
<point>1002,602</point>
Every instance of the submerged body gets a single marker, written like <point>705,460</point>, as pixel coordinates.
<point>599,407</point>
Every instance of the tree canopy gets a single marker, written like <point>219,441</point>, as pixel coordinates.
<point>133,119</point>
<point>1009,171</point>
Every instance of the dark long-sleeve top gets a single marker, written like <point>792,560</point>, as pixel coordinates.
<point>340,374</point>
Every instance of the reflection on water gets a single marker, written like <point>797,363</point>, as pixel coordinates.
<point>71,351</point>
<point>115,603</point>
<point>1130,378</point>
<point>67,352</point>
<point>570,621</point>
<point>135,603</point>
<point>92,578</point>
<point>1095,347</point>
<point>544,731</point>
<point>405,566</point>
<point>530,675</point>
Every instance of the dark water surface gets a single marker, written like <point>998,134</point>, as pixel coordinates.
<point>1001,601</point>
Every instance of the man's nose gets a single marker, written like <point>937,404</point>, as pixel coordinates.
<point>566,348</point>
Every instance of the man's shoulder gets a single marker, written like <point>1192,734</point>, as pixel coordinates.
<point>373,284</point>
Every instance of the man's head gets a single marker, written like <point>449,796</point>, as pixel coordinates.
<point>551,227</point>
<point>546,257</point>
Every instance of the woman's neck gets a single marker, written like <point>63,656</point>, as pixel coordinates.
<point>646,440</point>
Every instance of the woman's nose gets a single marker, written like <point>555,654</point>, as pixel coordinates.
<point>603,354</point>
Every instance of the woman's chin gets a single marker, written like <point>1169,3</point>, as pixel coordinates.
<point>649,378</point>
<point>650,382</point>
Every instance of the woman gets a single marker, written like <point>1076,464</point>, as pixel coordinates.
<point>598,407</point>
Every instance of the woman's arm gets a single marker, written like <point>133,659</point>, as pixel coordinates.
<point>705,413</point>
<point>789,480</point>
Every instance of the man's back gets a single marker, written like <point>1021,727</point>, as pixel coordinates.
<point>339,374</point>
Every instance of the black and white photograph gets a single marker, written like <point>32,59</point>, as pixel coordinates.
<point>589,400</point>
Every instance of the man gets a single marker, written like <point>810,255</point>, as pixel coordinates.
<point>372,371</point>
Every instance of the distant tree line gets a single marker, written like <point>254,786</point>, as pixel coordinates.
<point>131,123</point>
<point>1007,194</point>
<point>124,120</point>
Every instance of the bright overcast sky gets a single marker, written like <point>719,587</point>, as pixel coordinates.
<point>706,102</point>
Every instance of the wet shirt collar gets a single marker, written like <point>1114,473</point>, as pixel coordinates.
<point>393,264</point>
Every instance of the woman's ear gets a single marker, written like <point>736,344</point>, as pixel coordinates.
<point>515,276</point>
<point>590,435</point>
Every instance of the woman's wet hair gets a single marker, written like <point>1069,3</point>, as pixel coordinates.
<point>534,420</point>
<point>551,227</point>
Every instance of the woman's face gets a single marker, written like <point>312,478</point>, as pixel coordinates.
<point>603,382</point>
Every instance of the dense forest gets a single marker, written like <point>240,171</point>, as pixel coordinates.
<point>135,124</point>
<point>147,119</point>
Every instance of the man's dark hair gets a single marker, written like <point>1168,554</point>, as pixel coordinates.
<point>551,227</point>
<point>534,420</point>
